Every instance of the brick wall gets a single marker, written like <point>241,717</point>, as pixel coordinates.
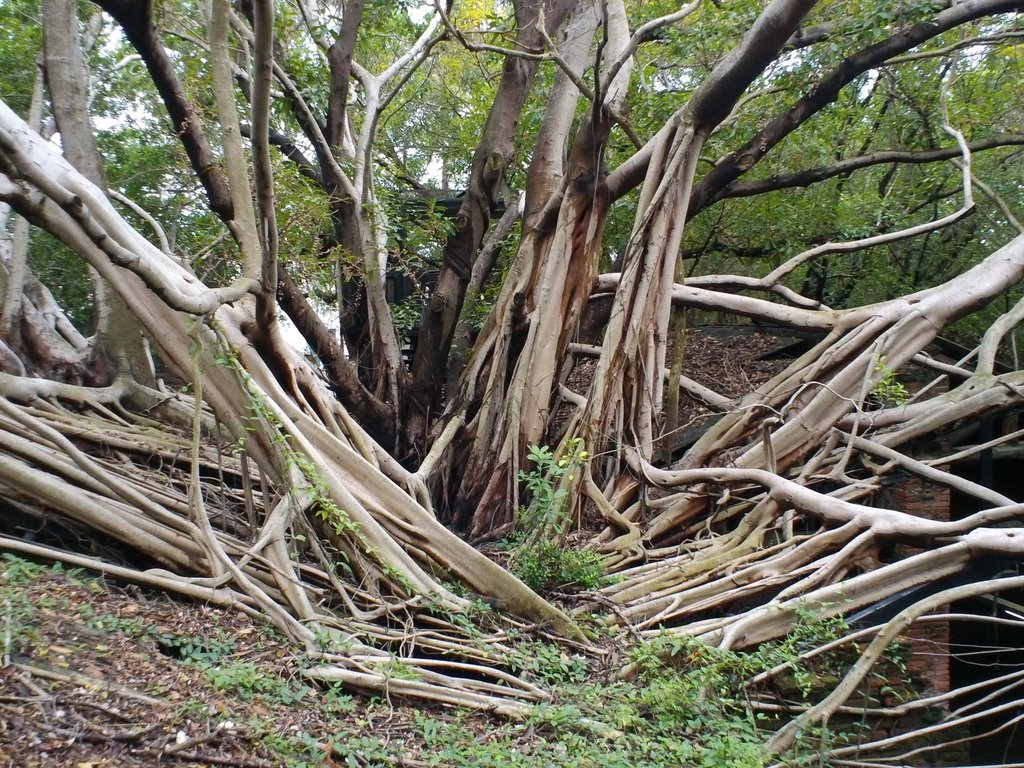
<point>927,644</point>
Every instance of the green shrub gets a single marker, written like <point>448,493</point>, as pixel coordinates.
<point>539,556</point>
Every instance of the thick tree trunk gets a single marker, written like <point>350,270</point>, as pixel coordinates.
<point>118,344</point>
<point>486,182</point>
<point>522,348</point>
<point>626,395</point>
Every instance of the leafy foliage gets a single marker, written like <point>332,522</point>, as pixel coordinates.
<point>887,390</point>
<point>20,41</point>
<point>689,706</point>
<point>539,557</point>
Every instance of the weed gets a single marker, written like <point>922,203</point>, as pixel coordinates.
<point>433,732</point>
<point>18,630</point>
<point>189,648</point>
<point>192,708</point>
<point>107,622</point>
<point>538,556</point>
<point>336,702</point>
<point>362,750</point>
<point>19,608</point>
<point>548,566</point>
<point>548,663</point>
<point>888,392</point>
<point>246,680</point>
<point>544,516</point>
<point>299,750</point>
<point>195,649</point>
<point>18,572</point>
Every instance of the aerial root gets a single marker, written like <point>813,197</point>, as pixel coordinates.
<point>66,467</point>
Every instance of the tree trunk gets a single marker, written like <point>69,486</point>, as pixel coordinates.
<point>118,342</point>
<point>486,183</point>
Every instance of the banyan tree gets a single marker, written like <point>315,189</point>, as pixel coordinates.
<point>211,385</point>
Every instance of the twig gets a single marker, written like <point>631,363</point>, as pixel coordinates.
<point>99,736</point>
<point>95,683</point>
<point>198,757</point>
<point>480,47</point>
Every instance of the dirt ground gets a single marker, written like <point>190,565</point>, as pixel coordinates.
<point>98,676</point>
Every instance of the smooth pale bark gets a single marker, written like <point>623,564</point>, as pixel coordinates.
<point>486,183</point>
<point>118,340</point>
<point>340,59</point>
<point>408,545</point>
<point>547,168</point>
<point>626,396</point>
<point>235,163</point>
<point>548,283</point>
<point>16,264</point>
<point>893,331</point>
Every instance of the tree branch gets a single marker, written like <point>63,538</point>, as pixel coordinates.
<point>136,19</point>
<point>814,175</point>
<point>339,55</point>
<point>630,173</point>
<point>742,160</point>
<point>263,65</point>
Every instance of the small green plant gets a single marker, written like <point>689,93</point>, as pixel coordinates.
<point>888,392</point>
<point>17,628</point>
<point>19,607</point>
<point>193,648</point>
<point>892,680</point>
<point>544,516</point>
<point>337,702</point>
<point>395,669</point>
<point>433,732</point>
<point>538,556</point>
<point>548,663</point>
<point>107,622</point>
<point>363,750</point>
<point>247,680</point>
<point>299,750</point>
<point>548,566</point>
<point>15,571</point>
